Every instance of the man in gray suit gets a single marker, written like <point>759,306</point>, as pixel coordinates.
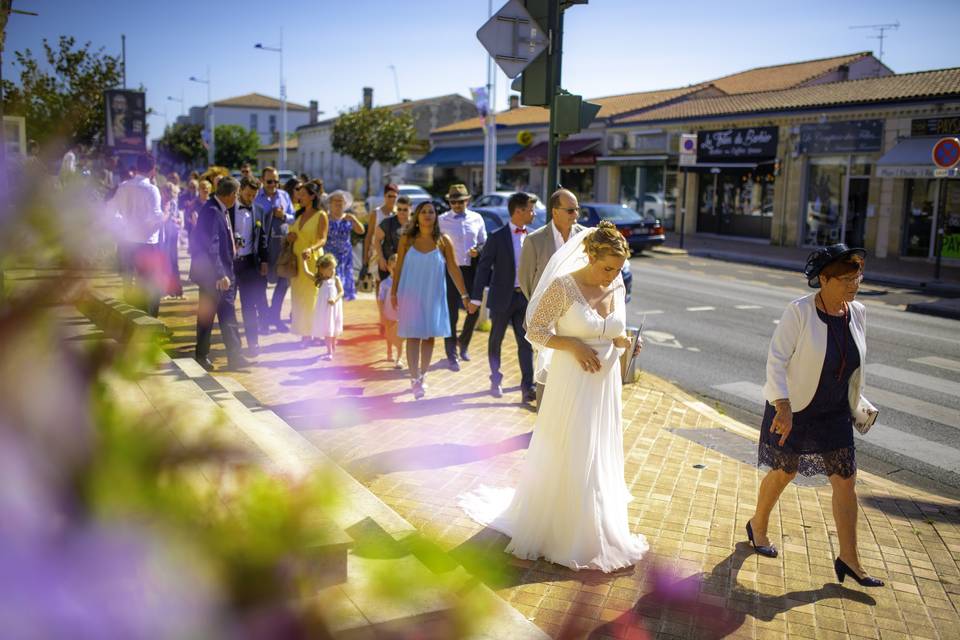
<point>540,245</point>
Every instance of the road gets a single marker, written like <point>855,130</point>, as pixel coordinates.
<point>708,324</point>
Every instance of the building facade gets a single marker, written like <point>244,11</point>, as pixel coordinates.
<point>254,112</point>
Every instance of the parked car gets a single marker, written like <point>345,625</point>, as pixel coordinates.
<point>641,232</point>
<point>493,219</point>
<point>493,208</point>
<point>416,193</point>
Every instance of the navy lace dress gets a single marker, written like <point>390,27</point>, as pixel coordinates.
<point>821,441</point>
<point>338,243</point>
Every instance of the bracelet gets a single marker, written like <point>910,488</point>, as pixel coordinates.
<point>465,296</point>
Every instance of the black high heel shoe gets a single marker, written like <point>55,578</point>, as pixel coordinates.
<point>768,550</point>
<point>843,571</point>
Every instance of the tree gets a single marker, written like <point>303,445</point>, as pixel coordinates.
<point>374,135</point>
<point>184,143</point>
<point>235,145</point>
<point>62,97</point>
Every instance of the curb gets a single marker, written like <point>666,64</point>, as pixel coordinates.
<point>119,320</point>
<point>935,309</point>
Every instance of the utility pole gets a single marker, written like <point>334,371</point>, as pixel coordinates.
<point>212,147</point>
<point>555,64</point>
<point>282,163</point>
<point>490,125</point>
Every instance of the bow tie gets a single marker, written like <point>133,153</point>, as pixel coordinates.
<point>243,206</point>
<point>520,230</point>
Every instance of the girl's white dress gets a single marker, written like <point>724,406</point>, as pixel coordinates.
<point>328,318</point>
<point>570,505</point>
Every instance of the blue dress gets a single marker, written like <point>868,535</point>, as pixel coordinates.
<point>338,243</point>
<point>422,296</point>
<point>821,440</point>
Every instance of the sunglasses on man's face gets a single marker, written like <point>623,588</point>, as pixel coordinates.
<point>269,182</point>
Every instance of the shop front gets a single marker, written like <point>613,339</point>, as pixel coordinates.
<point>931,197</point>
<point>736,176</point>
<point>578,159</point>
<point>837,189</point>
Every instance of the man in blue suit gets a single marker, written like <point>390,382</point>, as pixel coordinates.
<point>213,251</point>
<point>498,268</point>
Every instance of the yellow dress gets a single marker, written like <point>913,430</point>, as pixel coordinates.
<point>303,290</point>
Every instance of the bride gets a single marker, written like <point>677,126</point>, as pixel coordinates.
<point>570,505</point>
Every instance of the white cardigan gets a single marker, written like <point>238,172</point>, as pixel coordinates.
<point>797,350</point>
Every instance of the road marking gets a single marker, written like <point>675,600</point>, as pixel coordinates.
<point>916,379</point>
<point>776,275</point>
<point>743,307</point>
<point>900,442</point>
<point>776,322</point>
<point>914,407</point>
<point>694,349</point>
<point>662,339</point>
<point>936,361</point>
<point>654,312</point>
<point>701,308</point>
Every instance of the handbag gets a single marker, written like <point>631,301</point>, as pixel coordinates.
<point>864,416</point>
<point>287,261</point>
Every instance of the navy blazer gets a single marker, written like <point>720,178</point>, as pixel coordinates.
<point>211,248</point>
<point>497,269</point>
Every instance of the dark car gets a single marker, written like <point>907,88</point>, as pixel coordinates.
<point>641,232</point>
<point>494,219</point>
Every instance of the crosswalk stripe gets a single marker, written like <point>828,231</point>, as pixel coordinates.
<point>747,306</point>
<point>701,308</point>
<point>936,361</point>
<point>921,380</point>
<point>914,407</point>
<point>652,312</point>
<point>900,442</point>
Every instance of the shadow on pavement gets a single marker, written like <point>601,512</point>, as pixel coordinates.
<point>914,509</point>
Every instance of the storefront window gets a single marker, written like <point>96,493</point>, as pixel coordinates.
<point>579,181</point>
<point>921,196</point>
<point>736,202</point>
<point>824,206</point>
<point>643,188</point>
<point>513,179</point>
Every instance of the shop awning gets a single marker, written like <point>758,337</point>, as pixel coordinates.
<point>910,158</point>
<point>625,159</point>
<point>581,151</point>
<point>462,156</point>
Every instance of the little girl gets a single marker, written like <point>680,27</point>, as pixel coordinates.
<point>328,314</point>
<point>389,315</point>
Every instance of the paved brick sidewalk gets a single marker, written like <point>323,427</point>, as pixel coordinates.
<point>689,468</point>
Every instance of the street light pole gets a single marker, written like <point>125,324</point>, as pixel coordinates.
<point>283,101</point>
<point>211,149</point>
<point>180,100</point>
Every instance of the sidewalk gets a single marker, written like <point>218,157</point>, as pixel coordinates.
<point>690,469</point>
<point>892,271</point>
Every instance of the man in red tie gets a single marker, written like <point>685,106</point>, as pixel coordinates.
<point>498,268</point>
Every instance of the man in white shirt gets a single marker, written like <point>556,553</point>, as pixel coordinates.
<point>137,202</point>
<point>468,233</point>
<point>251,261</point>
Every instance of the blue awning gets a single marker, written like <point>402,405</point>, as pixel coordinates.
<point>464,156</point>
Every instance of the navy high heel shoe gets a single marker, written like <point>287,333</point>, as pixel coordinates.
<point>769,550</point>
<point>843,571</point>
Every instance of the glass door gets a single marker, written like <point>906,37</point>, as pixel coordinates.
<point>919,217</point>
<point>823,219</point>
<point>858,194</point>
<point>949,218</point>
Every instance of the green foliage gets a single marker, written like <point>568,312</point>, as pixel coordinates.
<point>61,94</point>
<point>184,142</point>
<point>374,135</point>
<point>235,145</point>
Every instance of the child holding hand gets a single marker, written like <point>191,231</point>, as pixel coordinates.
<point>328,314</point>
<point>389,314</point>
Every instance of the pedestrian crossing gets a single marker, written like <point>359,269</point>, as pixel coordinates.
<point>903,400</point>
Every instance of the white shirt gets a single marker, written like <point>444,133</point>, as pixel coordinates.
<point>466,230</point>
<point>382,215</point>
<point>557,238</point>
<point>518,240</point>
<point>68,164</point>
<point>137,201</point>
<point>243,229</point>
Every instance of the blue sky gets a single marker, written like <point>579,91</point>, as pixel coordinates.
<point>333,49</point>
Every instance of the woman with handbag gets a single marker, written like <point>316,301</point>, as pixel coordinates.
<point>305,241</point>
<point>814,394</point>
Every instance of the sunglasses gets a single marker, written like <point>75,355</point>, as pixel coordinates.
<point>269,182</point>
<point>570,209</point>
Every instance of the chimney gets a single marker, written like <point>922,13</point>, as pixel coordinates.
<point>514,102</point>
<point>844,72</point>
<point>313,112</point>
<point>368,97</point>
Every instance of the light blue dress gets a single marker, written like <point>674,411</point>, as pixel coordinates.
<point>422,296</point>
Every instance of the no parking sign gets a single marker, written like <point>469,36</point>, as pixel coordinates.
<point>946,153</point>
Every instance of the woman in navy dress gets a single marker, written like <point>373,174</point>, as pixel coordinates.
<point>338,239</point>
<point>814,387</point>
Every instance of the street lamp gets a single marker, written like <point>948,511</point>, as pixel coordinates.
<point>283,101</point>
<point>211,149</point>
<point>180,100</point>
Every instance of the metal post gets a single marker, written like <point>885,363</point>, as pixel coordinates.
<point>212,153</point>
<point>283,110</point>
<point>490,126</point>
<point>555,51</point>
<point>683,208</point>
<point>123,57</point>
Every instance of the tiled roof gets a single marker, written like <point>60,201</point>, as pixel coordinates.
<point>258,101</point>
<point>610,106</point>
<point>906,86</point>
<point>397,106</point>
<point>782,76</point>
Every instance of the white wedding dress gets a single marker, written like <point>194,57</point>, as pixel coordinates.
<point>570,505</point>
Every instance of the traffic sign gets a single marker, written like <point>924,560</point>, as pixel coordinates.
<point>688,149</point>
<point>946,153</point>
<point>513,38</point>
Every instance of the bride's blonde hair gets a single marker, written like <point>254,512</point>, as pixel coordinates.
<point>606,240</point>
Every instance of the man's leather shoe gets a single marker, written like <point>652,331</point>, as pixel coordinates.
<point>464,355</point>
<point>205,363</point>
<point>530,395</point>
<point>496,390</point>
<point>454,364</point>
<point>238,362</point>
<point>282,328</point>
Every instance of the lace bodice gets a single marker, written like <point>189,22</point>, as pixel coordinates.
<point>563,311</point>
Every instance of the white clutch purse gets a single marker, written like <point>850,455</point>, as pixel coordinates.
<point>865,415</point>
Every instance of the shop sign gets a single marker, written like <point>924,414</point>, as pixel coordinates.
<point>737,145</point>
<point>935,126</point>
<point>842,137</point>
